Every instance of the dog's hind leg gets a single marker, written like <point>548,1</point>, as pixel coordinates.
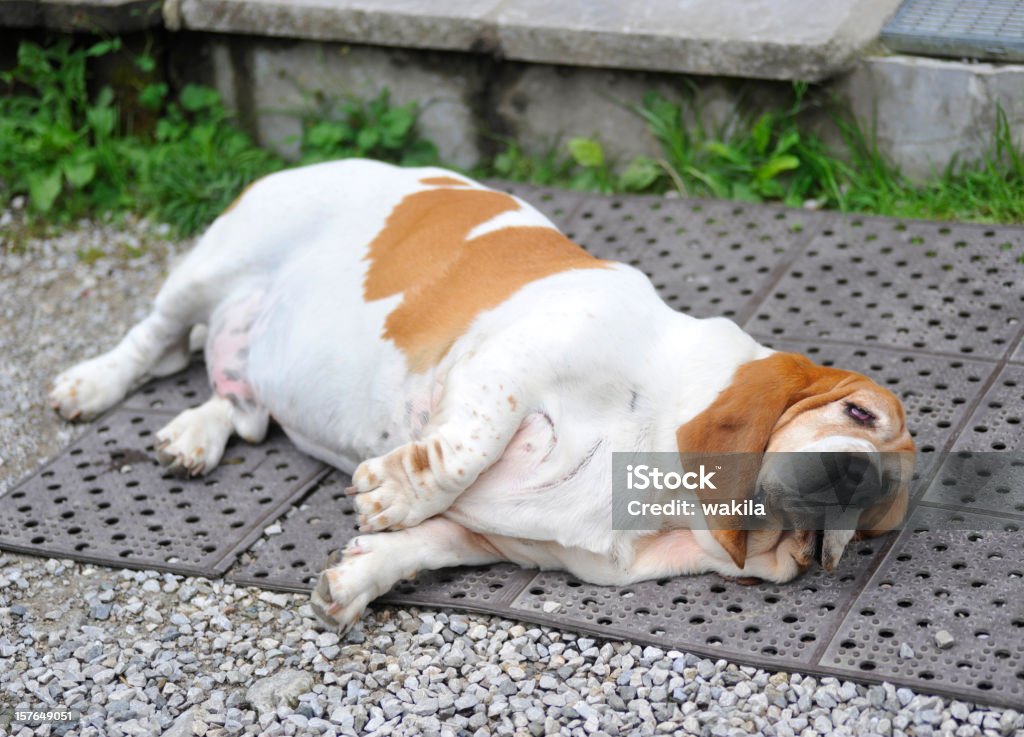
<point>194,441</point>
<point>372,564</point>
<point>91,387</point>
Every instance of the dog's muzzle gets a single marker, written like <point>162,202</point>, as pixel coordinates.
<point>826,491</point>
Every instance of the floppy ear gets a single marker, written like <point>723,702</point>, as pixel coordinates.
<point>763,395</point>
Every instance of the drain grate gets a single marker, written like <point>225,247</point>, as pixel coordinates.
<point>969,584</point>
<point>705,258</point>
<point>107,500</point>
<point>996,423</point>
<point>930,310</point>
<point>973,29</point>
<point>174,394</point>
<point>924,286</point>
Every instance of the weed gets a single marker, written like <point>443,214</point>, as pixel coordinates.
<point>75,154</point>
<point>373,129</point>
<point>72,155</point>
<point>56,142</point>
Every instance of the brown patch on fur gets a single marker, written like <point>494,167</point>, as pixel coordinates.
<point>763,397</point>
<point>444,182</point>
<point>424,253</point>
<point>512,403</point>
<point>419,460</point>
<point>438,450</point>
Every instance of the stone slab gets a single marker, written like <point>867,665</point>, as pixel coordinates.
<point>923,111</point>
<point>766,39</point>
<point>77,16</point>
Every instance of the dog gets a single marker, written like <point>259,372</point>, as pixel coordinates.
<point>473,370</point>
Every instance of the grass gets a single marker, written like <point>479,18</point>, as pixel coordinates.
<point>179,157</point>
<point>774,157</point>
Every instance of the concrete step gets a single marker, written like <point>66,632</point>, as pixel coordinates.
<point>539,71</point>
<point>90,16</point>
<point>764,39</point>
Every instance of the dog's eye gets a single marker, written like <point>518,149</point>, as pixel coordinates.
<point>859,414</point>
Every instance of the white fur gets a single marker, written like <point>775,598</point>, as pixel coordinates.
<point>595,360</point>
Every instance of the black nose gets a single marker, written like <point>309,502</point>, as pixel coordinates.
<point>808,485</point>
<point>854,479</point>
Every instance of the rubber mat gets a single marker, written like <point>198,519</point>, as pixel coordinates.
<point>931,287</point>
<point>107,500</point>
<point>972,29</point>
<point>933,311</point>
<point>705,258</point>
<point>291,558</point>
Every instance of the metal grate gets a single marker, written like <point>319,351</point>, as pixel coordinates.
<point>982,482</point>
<point>930,310</point>
<point>968,584</point>
<point>175,394</point>
<point>107,500</point>
<point>936,288</point>
<point>997,422</point>
<point>558,205</point>
<point>705,258</point>
<point>973,29</point>
<point>766,624</point>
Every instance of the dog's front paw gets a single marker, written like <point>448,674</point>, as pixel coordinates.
<point>345,589</point>
<point>386,498</point>
<point>85,390</point>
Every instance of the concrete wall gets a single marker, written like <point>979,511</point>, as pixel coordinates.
<point>924,110</point>
<point>470,102</point>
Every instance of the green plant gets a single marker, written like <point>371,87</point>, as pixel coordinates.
<point>57,144</point>
<point>767,157</point>
<point>198,161</point>
<point>582,165</point>
<point>178,155</point>
<point>373,129</point>
<point>69,152</point>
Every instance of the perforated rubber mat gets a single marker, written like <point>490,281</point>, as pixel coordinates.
<point>107,499</point>
<point>974,29</point>
<point>930,310</point>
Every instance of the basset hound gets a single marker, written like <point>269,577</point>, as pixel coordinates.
<point>474,370</point>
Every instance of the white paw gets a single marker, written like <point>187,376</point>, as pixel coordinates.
<point>191,444</point>
<point>345,589</point>
<point>384,497</point>
<point>86,389</point>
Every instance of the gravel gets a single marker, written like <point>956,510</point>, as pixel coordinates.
<point>144,653</point>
